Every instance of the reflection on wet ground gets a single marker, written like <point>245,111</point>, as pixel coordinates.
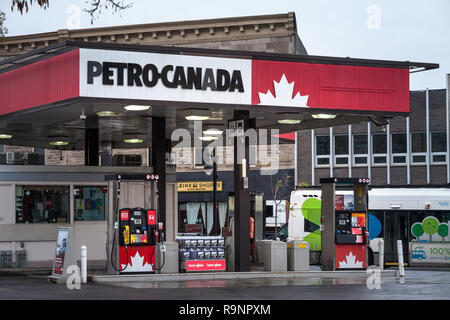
<point>413,277</point>
<point>264,282</point>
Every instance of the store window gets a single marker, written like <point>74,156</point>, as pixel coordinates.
<point>341,150</point>
<point>398,148</point>
<point>322,150</point>
<point>360,149</point>
<point>438,147</point>
<point>90,203</point>
<point>418,148</point>
<point>379,149</point>
<point>42,204</point>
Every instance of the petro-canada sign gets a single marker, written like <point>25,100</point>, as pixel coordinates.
<point>240,81</point>
<point>154,76</point>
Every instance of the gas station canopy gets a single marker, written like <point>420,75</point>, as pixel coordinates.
<point>50,92</point>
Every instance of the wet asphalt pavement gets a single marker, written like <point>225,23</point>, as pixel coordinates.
<point>418,284</point>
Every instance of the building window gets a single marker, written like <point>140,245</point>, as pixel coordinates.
<point>379,149</point>
<point>438,147</point>
<point>360,149</point>
<point>42,204</point>
<point>90,203</point>
<point>418,148</point>
<point>341,150</point>
<point>398,148</point>
<point>322,150</point>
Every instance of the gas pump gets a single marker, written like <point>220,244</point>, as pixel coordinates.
<point>139,233</point>
<point>344,233</point>
<point>351,240</point>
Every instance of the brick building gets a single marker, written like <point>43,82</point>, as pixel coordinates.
<point>391,154</point>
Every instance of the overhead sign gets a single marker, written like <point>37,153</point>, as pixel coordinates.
<point>120,74</point>
<point>155,76</point>
<point>199,186</point>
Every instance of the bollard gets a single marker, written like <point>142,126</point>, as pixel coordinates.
<point>83,264</point>
<point>401,266</point>
<point>381,254</point>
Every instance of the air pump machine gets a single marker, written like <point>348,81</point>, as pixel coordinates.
<point>137,232</point>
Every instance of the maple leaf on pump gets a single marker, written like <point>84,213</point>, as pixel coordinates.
<point>283,95</point>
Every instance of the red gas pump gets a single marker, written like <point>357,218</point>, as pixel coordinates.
<point>351,240</point>
<point>138,236</point>
<point>139,233</point>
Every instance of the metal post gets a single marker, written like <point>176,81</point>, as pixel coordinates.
<point>381,254</point>
<point>83,264</point>
<point>401,266</point>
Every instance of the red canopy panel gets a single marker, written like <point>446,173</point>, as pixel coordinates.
<point>330,86</point>
<point>46,81</point>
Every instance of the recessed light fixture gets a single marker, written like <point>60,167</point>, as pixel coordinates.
<point>58,143</point>
<point>197,118</point>
<point>208,138</point>
<point>5,136</point>
<point>213,131</point>
<point>136,108</point>
<point>107,113</point>
<point>289,121</point>
<point>133,140</point>
<point>323,116</point>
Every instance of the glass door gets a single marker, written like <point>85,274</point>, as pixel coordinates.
<point>395,228</point>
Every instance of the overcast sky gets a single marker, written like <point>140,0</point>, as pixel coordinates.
<point>414,30</point>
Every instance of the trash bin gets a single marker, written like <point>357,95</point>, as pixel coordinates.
<point>274,255</point>
<point>298,256</point>
<point>2,259</point>
<point>21,258</point>
<point>8,258</point>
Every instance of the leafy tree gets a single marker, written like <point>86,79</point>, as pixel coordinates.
<point>430,225</point>
<point>417,230</point>
<point>443,230</point>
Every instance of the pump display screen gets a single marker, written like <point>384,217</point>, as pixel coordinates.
<point>137,221</point>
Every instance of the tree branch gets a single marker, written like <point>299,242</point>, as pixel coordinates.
<point>96,7</point>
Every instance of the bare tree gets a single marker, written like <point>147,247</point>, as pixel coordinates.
<point>22,5</point>
<point>97,6</point>
<point>93,7</point>
<point>3,30</point>
<point>276,188</point>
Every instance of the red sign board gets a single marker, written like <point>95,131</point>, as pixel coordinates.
<point>151,217</point>
<point>124,215</point>
<point>206,265</point>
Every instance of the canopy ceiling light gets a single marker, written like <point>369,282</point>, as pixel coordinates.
<point>208,138</point>
<point>213,131</point>
<point>133,140</point>
<point>196,118</point>
<point>5,136</point>
<point>323,116</point>
<point>136,108</point>
<point>107,113</point>
<point>58,143</point>
<point>289,121</point>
